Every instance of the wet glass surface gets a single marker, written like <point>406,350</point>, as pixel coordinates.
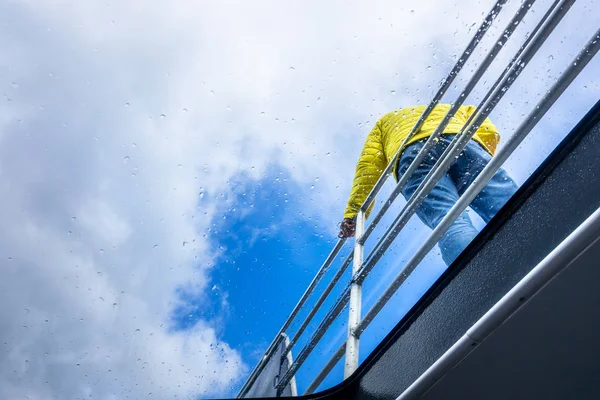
<point>172,177</point>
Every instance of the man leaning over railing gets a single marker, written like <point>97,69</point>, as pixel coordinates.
<point>382,144</point>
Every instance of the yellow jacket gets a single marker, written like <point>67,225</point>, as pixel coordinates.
<point>390,131</point>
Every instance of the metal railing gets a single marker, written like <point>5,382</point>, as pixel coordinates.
<point>351,294</point>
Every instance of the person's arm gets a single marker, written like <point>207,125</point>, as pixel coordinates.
<point>371,163</point>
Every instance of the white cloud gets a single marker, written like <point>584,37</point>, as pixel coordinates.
<point>115,117</point>
<point>99,219</point>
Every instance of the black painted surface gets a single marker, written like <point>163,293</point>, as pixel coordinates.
<point>556,199</point>
<point>547,350</point>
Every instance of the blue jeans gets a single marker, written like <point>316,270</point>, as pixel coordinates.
<point>452,185</point>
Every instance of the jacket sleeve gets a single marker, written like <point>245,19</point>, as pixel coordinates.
<point>487,132</point>
<point>370,166</point>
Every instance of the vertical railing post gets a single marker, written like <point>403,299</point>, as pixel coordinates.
<point>352,343</point>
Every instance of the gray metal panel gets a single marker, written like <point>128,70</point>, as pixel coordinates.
<point>568,196</point>
<point>265,383</point>
<point>568,253</point>
<point>547,350</point>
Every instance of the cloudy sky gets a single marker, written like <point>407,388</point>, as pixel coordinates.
<point>171,173</point>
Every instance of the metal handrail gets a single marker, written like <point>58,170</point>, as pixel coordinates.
<point>582,59</point>
<point>288,357</point>
<point>355,301</point>
<point>320,302</point>
<point>337,356</point>
<point>273,346</point>
<point>342,300</point>
<point>479,183</point>
<point>525,53</point>
<point>445,161</point>
<point>333,313</point>
<point>419,157</point>
<point>444,86</point>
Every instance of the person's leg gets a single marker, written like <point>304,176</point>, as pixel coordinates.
<point>498,190</point>
<point>437,204</point>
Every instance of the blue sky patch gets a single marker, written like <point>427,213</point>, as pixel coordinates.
<point>268,253</point>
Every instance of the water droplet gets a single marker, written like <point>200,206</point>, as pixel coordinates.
<point>550,57</point>
<point>393,92</point>
<point>292,68</point>
<point>126,159</point>
<point>163,116</point>
<point>14,85</point>
<point>127,104</point>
